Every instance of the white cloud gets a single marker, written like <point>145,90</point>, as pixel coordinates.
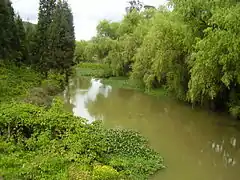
<point>87,13</point>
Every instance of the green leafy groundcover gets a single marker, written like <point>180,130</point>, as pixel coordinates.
<point>16,82</point>
<point>40,143</point>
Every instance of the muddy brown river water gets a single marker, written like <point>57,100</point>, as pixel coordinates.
<point>196,144</point>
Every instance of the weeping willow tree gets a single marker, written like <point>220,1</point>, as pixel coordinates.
<point>190,50</point>
<point>215,64</point>
<point>131,32</point>
<point>162,58</point>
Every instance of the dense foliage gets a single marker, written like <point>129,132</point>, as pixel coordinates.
<point>55,38</point>
<point>25,84</point>
<point>39,143</point>
<point>11,33</point>
<point>93,70</point>
<point>38,138</point>
<point>47,46</point>
<point>190,48</point>
<point>16,82</point>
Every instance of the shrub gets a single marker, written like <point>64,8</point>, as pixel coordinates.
<point>105,173</point>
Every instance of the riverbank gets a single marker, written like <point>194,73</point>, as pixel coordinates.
<point>94,70</point>
<point>97,70</point>
<point>38,141</point>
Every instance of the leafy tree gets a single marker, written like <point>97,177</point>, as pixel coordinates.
<point>108,29</point>
<point>62,39</point>
<point>103,46</point>
<point>132,31</point>
<point>30,42</point>
<point>80,51</point>
<point>134,5</point>
<point>23,54</point>
<point>215,64</point>
<point>69,40</point>
<point>8,31</point>
<point>161,60</point>
<point>195,13</point>
<point>41,50</point>
<point>129,23</point>
<point>4,16</point>
<point>85,51</point>
<point>90,51</point>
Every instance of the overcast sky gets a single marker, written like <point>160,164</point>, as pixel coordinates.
<point>87,13</point>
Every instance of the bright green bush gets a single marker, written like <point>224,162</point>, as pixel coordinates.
<point>54,83</point>
<point>105,173</point>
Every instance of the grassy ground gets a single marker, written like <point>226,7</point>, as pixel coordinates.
<point>93,70</point>
<point>125,83</point>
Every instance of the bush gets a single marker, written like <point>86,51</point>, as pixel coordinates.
<point>42,96</point>
<point>39,96</point>
<point>54,83</point>
<point>105,173</point>
<point>79,172</point>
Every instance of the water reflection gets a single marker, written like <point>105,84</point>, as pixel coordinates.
<point>222,149</point>
<point>80,98</point>
<point>233,142</point>
<point>193,144</point>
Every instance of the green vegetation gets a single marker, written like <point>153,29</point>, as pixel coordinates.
<point>15,82</point>
<point>11,33</point>
<point>38,138</point>
<point>39,143</point>
<point>93,69</point>
<point>46,47</point>
<point>191,50</point>
<point>126,83</point>
<point>98,70</point>
<point>122,82</point>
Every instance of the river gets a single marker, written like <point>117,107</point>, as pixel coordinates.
<point>196,144</point>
